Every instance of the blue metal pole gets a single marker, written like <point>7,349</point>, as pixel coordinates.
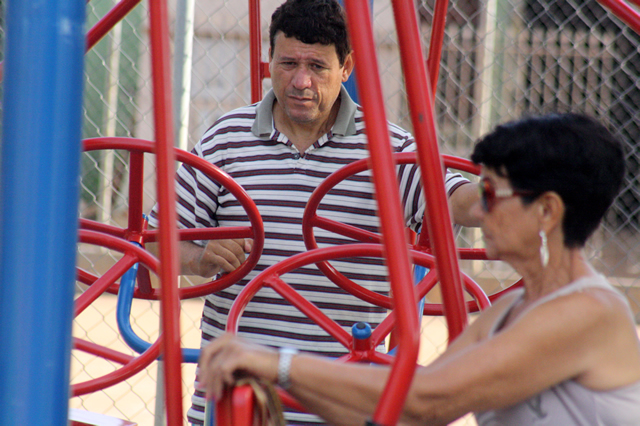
<point>39,189</point>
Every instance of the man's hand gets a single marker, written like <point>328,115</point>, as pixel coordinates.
<point>217,256</point>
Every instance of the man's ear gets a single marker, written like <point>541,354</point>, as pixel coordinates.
<point>347,68</point>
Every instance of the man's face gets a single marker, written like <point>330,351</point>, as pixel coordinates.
<point>306,78</point>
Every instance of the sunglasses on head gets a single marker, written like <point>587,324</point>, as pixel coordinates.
<point>489,195</point>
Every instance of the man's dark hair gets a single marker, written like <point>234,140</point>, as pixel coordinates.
<point>312,21</point>
<point>571,154</point>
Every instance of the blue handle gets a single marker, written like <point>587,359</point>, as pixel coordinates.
<point>123,315</point>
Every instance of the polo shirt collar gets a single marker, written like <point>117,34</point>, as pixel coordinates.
<point>345,124</point>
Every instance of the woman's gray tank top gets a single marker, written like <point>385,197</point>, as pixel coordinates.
<point>568,403</point>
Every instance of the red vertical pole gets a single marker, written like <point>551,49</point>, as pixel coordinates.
<point>168,235</point>
<point>433,69</point>
<point>136,182</point>
<point>255,50</point>
<point>435,43</point>
<point>390,213</point>
<point>437,213</point>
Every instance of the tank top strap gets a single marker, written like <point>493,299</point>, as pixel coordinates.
<point>591,281</point>
<point>499,322</point>
<point>581,284</point>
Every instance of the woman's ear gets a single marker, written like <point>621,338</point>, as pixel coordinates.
<point>551,209</point>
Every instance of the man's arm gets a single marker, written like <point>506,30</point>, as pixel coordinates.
<point>461,203</point>
<point>217,256</point>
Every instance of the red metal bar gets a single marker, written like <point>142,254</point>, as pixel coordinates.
<point>311,218</point>
<point>435,43</point>
<point>271,277</point>
<point>437,213</point>
<point>92,225</point>
<point>390,213</point>
<point>106,353</point>
<point>237,408</point>
<point>108,21</point>
<point>136,184</point>
<point>310,310</point>
<point>162,112</point>
<point>103,283</point>
<point>255,231</point>
<point>623,11</point>
<point>136,365</point>
<point>255,52</point>
<point>266,72</point>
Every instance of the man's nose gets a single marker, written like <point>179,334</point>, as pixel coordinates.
<point>302,78</point>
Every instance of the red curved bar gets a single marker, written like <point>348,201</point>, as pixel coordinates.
<point>104,228</point>
<point>311,220</point>
<point>356,353</point>
<point>136,365</point>
<point>137,232</point>
<point>271,277</point>
<point>132,365</point>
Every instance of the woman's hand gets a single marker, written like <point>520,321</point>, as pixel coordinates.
<point>227,359</point>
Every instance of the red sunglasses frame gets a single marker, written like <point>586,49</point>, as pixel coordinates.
<point>489,195</point>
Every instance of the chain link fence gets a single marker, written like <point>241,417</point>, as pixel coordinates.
<point>501,59</point>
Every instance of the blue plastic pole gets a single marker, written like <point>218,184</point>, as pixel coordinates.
<point>39,189</point>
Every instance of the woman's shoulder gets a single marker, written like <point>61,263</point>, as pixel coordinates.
<point>482,325</point>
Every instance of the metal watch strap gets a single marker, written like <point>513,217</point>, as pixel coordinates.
<point>284,367</point>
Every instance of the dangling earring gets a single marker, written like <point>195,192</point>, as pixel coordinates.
<point>544,249</point>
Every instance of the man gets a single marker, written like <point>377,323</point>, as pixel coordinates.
<point>280,150</point>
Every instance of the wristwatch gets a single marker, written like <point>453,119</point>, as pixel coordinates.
<point>284,367</point>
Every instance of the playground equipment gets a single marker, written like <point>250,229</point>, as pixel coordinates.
<point>384,179</point>
<point>437,240</point>
<point>136,233</point>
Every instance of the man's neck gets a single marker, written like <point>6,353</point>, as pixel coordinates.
<point>302,135</point>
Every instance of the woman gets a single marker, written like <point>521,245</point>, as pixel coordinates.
<point>563,350</point>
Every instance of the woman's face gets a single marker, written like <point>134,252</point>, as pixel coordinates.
<point>510,228</point>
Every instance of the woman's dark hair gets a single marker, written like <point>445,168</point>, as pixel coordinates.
<point>312,21</point>
<point>571,154</point>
